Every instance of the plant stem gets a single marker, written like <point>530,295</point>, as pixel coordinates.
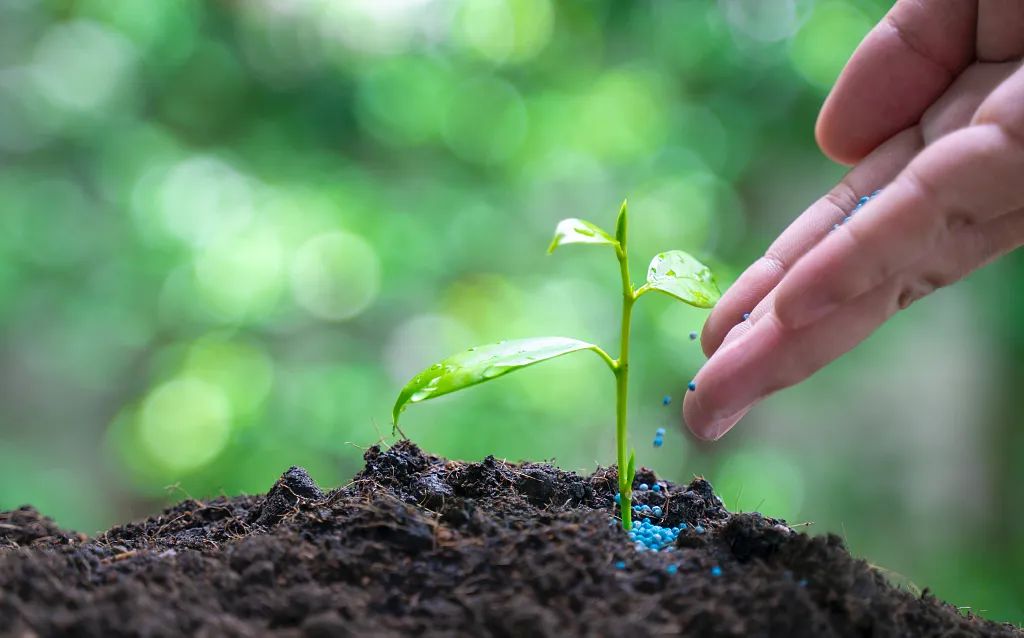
<point>622,389</point>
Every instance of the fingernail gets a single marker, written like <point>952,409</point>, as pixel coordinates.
<point>721,427</point>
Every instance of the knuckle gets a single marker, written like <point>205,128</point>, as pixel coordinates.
<point>926,191</point>
<point>842,198</point>
<point>941,218</point>
<point>936,215</point>
<point>913,39</point>
<point>921,286</point>
<point>908,295</point>
<point>1002,109</point>
<point>1012,128</point>
<point>959,220</point>
<point>868,273</point>
<point>774,262</point>
<point>939,279</point>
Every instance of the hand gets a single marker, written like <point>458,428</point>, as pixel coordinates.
<point>931,107</point>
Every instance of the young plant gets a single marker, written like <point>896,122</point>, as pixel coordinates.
<point>673,273</point>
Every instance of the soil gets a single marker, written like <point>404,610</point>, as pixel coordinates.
<point>420,545</point>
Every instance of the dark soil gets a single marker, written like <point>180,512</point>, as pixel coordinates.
<point>423,546</point>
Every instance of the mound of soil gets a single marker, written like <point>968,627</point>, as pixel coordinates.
<point>417,544</point>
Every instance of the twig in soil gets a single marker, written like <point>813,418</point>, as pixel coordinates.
<point>246,530</point>
<point>360,447</point>
<point>381,439</point>
<point>159,532</point>
<point>739,494</point>
<point>394,428</point>
<point>176,487</point>
<point>119,557</point>
<point>896,579</point>
<point>295,509</point>
<point>977,612</point>
<point>333,496</point>
<point>437,531</point>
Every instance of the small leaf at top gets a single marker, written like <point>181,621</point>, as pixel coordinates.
<point>579,231</point>
<point>484,363</point>
<point>680,275</point>
<point>622,224</point>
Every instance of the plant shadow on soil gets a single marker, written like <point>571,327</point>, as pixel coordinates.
<point>417,544</point>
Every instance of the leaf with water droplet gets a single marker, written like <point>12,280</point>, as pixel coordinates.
<point>484,363</point>
<point>680,275</point>
<point>579,231</point>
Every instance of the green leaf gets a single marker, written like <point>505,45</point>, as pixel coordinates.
<point>631,469</point>
<point>680,275</point>
<point>484,363</point>
<point>579,231</point>
<point>621,224</point>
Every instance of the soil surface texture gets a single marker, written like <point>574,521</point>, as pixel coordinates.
<point>419,545</point>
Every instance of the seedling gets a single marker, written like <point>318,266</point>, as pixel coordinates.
<point>673,273</point>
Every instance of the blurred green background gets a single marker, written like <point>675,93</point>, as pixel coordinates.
<point>230,231</point>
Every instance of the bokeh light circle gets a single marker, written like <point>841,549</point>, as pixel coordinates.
<point>184,424</point>
<point>82,65</point>
<point>241,369</point>
<point>202,199</point>
<point>765,21</point>
<point>622,115</point>
<point>403,100</point>
<point>379,27</point>
<point>505,30</point>
<point>422,340</point>
<point>241,276</point>
<point>335,276</point>
<point>486,121</point>
<point>820,49</point>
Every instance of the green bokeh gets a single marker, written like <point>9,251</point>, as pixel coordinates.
<point>230,232</point>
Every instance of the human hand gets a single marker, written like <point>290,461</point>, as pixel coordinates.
<point>931,107</point>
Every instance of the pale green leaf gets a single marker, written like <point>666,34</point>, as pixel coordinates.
<point>631,469</point>
<point>680,275</point>
<point>579,231</point>
<point>484,363</point>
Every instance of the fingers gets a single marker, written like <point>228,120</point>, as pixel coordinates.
<point>804,233</point>
<point>1000,30</point>
<point>770,357</point>
<point>766,356</point>
<point>965,178</point>
<point>905,63</point>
